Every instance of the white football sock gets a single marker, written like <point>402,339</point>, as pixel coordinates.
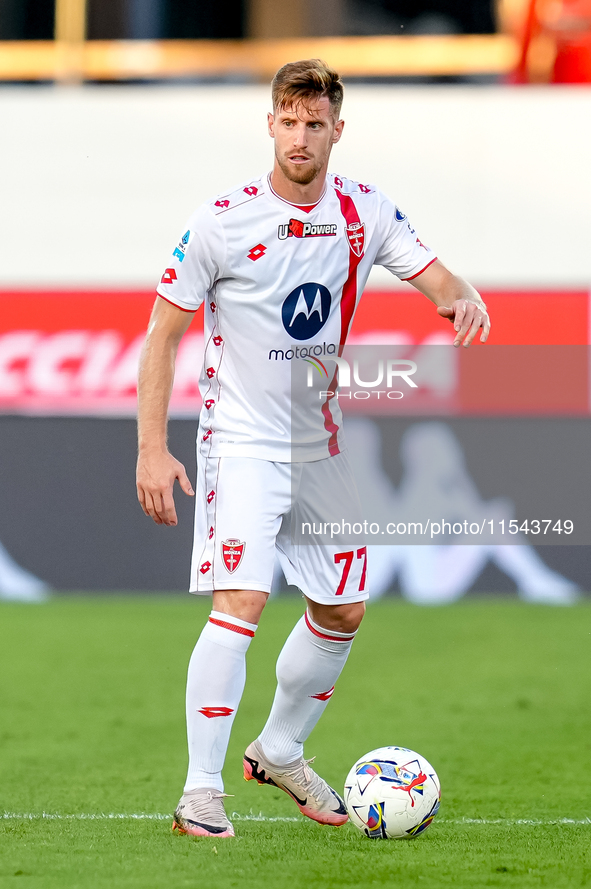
<point>307,668</point>
<point>215,682</point>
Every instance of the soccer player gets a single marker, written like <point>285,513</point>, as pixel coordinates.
<point>280,263</point>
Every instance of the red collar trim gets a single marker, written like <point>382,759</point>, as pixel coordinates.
<point>306,208</point>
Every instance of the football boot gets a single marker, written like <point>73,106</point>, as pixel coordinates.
<point>201,813</point>
<point>312,795</point>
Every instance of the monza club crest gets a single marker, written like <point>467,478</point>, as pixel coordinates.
<point>356,237</point>
<point>232,553</point>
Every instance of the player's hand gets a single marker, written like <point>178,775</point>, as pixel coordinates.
<point>155,477</point>
<point>467,318</point>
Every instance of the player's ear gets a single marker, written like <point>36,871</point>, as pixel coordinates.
<point>338,131</point>
<point>271,125</point>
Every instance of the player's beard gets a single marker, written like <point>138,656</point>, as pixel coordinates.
<point>300,175</point>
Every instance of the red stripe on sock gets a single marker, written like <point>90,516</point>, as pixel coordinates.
<point>211,712</point>
<point>327,635</point>
<point>234,627</point>
<point>324,695</point>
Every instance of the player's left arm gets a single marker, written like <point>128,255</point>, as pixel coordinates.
<point>456,300</point>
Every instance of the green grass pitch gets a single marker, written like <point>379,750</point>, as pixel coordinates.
<point>494,693</point>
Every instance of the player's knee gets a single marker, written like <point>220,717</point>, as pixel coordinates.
<point>351,617</point>
<point>343,618</point>
<point>245,604</point>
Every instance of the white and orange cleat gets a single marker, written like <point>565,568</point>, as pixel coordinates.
<point>312,795</point>
<point>201,813</point>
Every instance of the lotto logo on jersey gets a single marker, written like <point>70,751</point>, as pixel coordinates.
<point>305,311</point>
<point>297,229</point>
<point>356,237</point>
<point>232,553</point>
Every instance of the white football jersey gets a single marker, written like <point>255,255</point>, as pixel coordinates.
<point>281,284</point>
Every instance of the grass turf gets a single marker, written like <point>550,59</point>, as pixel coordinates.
<point>494,693</point>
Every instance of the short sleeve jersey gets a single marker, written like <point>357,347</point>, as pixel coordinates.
<point>280,284</point>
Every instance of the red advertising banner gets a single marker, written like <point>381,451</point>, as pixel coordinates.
<point>76,352</point>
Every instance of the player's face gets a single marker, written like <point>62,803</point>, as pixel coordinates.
<point>304,137</point>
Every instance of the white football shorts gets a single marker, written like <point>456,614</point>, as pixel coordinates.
<point>246,510</point>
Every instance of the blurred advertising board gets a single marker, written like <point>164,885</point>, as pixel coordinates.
<point>76,352</point>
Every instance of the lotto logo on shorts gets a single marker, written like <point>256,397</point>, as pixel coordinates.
<point>205,567</point>
<point>232,553</point>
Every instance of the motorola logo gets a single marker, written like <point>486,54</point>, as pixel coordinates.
<point>305,311</point>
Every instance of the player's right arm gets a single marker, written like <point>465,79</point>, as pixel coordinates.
<point>157,469</point>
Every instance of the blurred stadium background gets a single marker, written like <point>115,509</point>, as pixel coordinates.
<point>121,116</point>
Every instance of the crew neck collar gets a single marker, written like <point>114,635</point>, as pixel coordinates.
<point>306,208</point>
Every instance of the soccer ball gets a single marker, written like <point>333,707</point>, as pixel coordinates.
<point>392,793</point>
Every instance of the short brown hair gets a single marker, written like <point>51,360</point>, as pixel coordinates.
<point>305,80</point>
